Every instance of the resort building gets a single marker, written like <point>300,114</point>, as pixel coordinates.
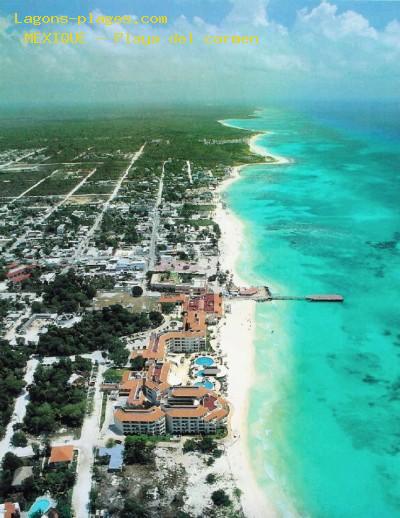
<point>148,404</point>
<point>194,321</point>
<point>188,341</point>
<point>185,341</point>
<point>195,410</point>
<point>140,392</point>
<point>138,389</point>
<point>155,349</point>
<point>211,303</point>
<point>192,339</point>
<point>139,413</point>
<point>156,382</point>
<point>149,421</point>
<point>176,298</point>
<point>180,411</point>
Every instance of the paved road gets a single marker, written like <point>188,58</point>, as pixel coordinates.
<point>47,214</point>
<point>33,186</point>
<point>21,158</point>
<point>83,245</point>
<point>19,409</point>
<point>88,440</point>
<point>189,171</point>
<point>156,222</point>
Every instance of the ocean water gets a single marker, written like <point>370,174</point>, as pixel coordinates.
<point>324,418</point>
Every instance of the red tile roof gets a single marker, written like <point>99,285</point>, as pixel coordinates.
<point>179,298</point>
<point>141,416</point>
<point>61,454</point>
<point>20,278</point>
<point>10,509</point>
<point>194,392</point>
<point>198,411</point>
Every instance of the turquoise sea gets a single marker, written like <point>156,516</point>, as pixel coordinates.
<point>324,418</point>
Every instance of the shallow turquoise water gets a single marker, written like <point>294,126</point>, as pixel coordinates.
<point>324,421</point>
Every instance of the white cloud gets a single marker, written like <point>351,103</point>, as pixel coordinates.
<point>324,51</point>
<point>325,21</point>
<point>248,12</point>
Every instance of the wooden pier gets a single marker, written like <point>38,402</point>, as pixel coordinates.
<point>325,298</point>
<point>311,298</point>
<point>263,294</point>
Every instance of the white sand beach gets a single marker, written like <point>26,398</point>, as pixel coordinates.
<point>259,150</point>
<point>236,334</point>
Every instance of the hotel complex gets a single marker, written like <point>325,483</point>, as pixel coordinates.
<point>148,404</point>
<point>180,411</point>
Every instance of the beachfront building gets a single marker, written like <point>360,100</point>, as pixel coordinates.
<point>195,410</point>
<point>186,341</point>
<point>156,383</point>
<point>150,421</point>
<point>191,340</point>
<point>181,411</point>
<point>139,413</point>
<point>148,404</point>
<point>142,389</point>
<point>210,303</point>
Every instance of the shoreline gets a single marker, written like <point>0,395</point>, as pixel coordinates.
<point>258,150</point>
<point>239,326</point>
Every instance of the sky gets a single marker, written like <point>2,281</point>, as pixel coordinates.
<point>312,49</point>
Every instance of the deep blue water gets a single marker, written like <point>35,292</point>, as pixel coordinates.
<point>324,421</point>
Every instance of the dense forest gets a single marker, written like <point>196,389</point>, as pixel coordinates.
<point>53,401</point>
<point>12,364</point>
<point>67,293</point>
<point>98,330</point>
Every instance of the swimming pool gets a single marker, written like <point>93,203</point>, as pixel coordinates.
<point>205,361</point>
<point>42,504</point>
<point>206,384</point>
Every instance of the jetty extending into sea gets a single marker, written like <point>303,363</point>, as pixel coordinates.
<point>263,294</point>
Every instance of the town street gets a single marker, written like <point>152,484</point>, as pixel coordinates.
<point>3,166</point>
<point>33,186</point>
<point>19,409</point>
<point>156,221</point>
<point>47,214</point>
<point>86,444</point>
<point>83,245</point>
<point>189,171</point>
